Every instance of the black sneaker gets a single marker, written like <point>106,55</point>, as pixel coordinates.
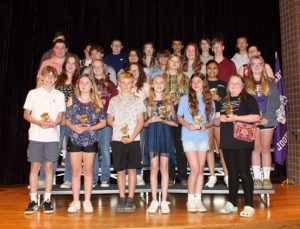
<point>48,207</point>
<point>32,208</point>
<point>129,205</point>
<point>121,205</point>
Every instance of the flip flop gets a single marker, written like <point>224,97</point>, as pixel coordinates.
<point>228,208</point>
<point>247,212</point>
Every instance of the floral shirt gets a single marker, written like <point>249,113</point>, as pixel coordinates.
<point>173,85</point>
<point>73,114</point>
<point>67,89</point>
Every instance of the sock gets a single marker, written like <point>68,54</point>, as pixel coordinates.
<point>191,197</point>
<point>33,197</point>
<point>256,171</point>
<point>267,171</point>
<point>47,196</point>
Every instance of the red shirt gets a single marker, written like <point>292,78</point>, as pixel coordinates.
<point>226,69</point>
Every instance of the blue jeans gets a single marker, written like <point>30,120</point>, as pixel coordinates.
<point>104,136</point>
<point>63,130</point>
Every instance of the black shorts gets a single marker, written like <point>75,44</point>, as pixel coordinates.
<point>126,156</point>
<point>86,149</point>
<point>265,128</point>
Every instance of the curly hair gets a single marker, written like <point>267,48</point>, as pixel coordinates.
<point>207,98</point>
<point>142,75</point>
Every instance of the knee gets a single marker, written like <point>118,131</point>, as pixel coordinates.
<point>35,168</point>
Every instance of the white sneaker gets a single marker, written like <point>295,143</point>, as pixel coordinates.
<point>66,184</point>
<point>41,184</point>
<point>164,207</point>
<point>211,182</point>
<point>74,206</point>
<point>87,206</point>
<point>191,206</point>
<point>140,180</point>
<point>153,206</point>
<point>199,205</point>
<point>104,184</point>
<point>226,180</point>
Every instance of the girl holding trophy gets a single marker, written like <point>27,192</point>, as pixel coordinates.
<point>84,116</point>
<point>160,118</point>
<point>195,114</point>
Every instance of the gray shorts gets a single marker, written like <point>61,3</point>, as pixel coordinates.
<point>42,151</point>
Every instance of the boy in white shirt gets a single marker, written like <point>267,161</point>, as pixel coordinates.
<point>44,108</point>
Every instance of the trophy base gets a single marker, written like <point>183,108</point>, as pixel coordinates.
<point>126,136</point>
<point>197,127</point>
<point>84,125</point>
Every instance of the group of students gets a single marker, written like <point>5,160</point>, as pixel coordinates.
<point>156,110</point>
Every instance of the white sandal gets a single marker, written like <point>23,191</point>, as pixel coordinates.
<point>228,208</point>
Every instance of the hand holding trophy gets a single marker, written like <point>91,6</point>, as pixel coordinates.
<point>198,121</point>
<point>124,130</point>
<point>45,117</point>
<point>229,110</point>
<point>83,120</point>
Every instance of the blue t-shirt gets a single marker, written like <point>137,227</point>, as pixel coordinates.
<point>184,111</point>
<point>116,61</point>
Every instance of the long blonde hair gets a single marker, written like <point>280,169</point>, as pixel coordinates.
<point>166,99</point>
<point>180,75</point>
<point>264,84</point>
<point>94,94</point>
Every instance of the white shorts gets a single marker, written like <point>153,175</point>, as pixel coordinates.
<point>195,146</point>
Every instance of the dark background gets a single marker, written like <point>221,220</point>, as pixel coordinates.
<point>27,29</point>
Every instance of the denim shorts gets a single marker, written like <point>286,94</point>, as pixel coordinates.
<point>195,146</point>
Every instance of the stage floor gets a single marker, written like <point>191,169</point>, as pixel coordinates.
<point>283,213</point>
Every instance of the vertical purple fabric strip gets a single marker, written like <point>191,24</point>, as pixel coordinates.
<point>280,138</point>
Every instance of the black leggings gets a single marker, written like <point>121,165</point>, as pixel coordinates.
<point>238,162</point>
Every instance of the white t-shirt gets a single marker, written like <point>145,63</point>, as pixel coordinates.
<point>125,110</point>
<point>39,101</point>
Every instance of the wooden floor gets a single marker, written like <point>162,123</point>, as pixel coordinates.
<point>283,213</point>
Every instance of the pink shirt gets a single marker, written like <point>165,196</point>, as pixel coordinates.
<point>50,62</point>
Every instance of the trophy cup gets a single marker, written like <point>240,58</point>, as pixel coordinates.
<point>124,130</point>
<point>213,91</point>
<point>172,95</point>
<point>198,121</point>
<point>229,110</point>
<point>83,120</point>
<point>163,112</point>
<point>45,117</point>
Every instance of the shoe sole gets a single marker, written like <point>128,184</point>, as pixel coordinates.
<point>192,211</point>
<point>30,213</point>
<point>48,212</point>
<point>129,210</point>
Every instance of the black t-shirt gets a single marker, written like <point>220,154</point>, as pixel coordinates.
<point>220,85</point>
<point>245,106</point>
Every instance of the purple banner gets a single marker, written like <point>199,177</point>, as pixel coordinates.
<point>280,140</point>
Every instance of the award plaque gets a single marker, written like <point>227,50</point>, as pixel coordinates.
<point>124,130</point>
<point>45,117</point>
<point>198,121</point>
<point>83,120</point>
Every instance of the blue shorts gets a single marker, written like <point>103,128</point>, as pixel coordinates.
<point>195,146</point>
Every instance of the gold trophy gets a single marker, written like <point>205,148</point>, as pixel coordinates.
<point>83,120</point>
<point>45,117</point>
<point>213,91</point>
<point>229,110</point>
<point>124,130</point>
<point>163,112</point>
<point>172,95</point>
<point>198,121</point>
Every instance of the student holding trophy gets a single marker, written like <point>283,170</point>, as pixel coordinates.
<point>84,117</point>
<point>195,113</point>
<point>159,150</point>
<point>125,114</point>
